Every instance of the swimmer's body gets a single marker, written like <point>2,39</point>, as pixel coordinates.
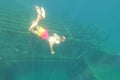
<point>55,39</point>
<point>42,32</point>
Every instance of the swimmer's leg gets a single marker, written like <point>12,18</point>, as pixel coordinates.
<point>43,12</point>
<point>40,11</point>
<point>33,27</point>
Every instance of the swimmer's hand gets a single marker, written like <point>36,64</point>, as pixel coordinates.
<point>63,38</point>
<point>52,52</point>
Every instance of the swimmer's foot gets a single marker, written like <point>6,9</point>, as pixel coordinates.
<point>43,12</point>
<point>40,11</point>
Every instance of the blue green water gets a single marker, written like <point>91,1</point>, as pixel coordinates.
<point>91,50</point>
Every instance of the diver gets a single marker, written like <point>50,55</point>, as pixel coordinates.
<point>42,32</point>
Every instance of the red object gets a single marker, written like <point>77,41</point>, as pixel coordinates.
<point>45,35</point>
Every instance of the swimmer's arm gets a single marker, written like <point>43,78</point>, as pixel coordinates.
<point>55,35</point>
<point>51,48</point>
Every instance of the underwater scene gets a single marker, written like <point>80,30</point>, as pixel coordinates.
<point>59,40</point>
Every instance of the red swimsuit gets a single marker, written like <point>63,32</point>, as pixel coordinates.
<point>44,36</point>
<point>43,33</point>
